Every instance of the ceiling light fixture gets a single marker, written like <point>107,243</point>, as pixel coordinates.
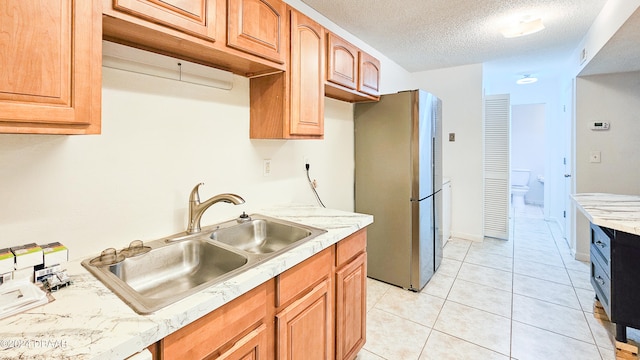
<point>526,79</point>
<point>525,26</point>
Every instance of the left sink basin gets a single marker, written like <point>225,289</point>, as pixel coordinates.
<point>168,272</point>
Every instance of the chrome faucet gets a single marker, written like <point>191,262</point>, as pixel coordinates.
<point>197,208</point>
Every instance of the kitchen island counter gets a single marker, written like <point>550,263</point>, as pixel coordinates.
<point>613,211</point>
<point>88,321</point>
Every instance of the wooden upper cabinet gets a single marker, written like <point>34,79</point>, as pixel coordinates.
<point>290,105</point>
<point>50,77</point>
<point>307,76</point>
<point>369,78</point>
<point>258,27</point>
<point>194,17</point>
<point>246,37</point>
<point>352,74</point>
<point>342,62</point>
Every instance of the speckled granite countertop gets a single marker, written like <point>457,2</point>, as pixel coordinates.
<point>618,212</point>
<point>88,321</point>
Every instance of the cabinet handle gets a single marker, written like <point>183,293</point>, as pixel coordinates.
<point>601,244</point>
<point>600,280</point>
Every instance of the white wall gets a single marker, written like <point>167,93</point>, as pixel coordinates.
<point>527,147</point>
<point>614,98</point>
<point>160,138</point>
<point>460,89</point>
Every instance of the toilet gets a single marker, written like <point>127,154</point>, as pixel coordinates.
<point>519,186</point>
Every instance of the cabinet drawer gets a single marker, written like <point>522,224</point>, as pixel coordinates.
<point>295,281</point>
<point>601,244</point>
<point>216,332</point>
<point>350,247</point>
<point>597,255</point>
<point>601,283</point>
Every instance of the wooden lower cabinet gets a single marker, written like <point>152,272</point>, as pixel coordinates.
<point>253,346</point>
<point>351,295</point>
<point>304,327</point>
<point>351,308</point>
<point>237,330</point>
<point>315,310</point>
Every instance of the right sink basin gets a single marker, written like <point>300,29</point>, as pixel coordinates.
<point>264,235</point>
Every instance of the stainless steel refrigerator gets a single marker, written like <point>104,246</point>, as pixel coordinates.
<point>398,179</point>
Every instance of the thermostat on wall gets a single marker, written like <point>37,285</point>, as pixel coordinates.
<point>599,125</point>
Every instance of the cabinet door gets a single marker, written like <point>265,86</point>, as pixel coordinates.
<point>214,334</point>
<point>252,346</point>
<point>305,327</point>
<point>306,76</point>
<point>369,78</point>
<point>342,62</point>
<point>258,27</point>
<point>194,17</point>
<point>50,77</point>
<point>351,308</point>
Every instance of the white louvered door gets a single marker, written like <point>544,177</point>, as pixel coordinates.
<point>497,115</point>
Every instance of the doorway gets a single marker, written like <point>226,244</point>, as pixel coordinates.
<point>527,159</point>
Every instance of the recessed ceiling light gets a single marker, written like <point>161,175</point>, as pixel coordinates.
<point>525,26</point>
<point>526,79</point>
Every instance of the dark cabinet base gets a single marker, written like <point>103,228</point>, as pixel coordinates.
<point>615,276</point>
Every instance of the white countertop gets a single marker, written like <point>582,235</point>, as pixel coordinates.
<point>88,321</point>
<point>618,212</point>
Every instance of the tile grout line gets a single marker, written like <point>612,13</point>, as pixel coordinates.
<point>584,314</point>
<point>424,346</point>
<point>513,271</point>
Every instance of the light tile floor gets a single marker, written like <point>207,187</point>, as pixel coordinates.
<point>526,298</point>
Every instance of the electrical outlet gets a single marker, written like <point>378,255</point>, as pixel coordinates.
<point>305,160</point>
<point>266,167</point>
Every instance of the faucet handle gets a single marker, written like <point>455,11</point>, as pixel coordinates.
<point>195,195</point>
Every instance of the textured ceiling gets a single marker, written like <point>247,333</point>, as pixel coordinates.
<point>429,34</point>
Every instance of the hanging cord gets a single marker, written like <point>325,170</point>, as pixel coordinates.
<point>306,166</point>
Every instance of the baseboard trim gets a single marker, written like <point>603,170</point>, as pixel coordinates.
<point>463,236</point>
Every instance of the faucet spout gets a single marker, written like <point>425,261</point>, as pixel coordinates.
<point>197,208</point>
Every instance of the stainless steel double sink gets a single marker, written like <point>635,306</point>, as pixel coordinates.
<point>152,275</point>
